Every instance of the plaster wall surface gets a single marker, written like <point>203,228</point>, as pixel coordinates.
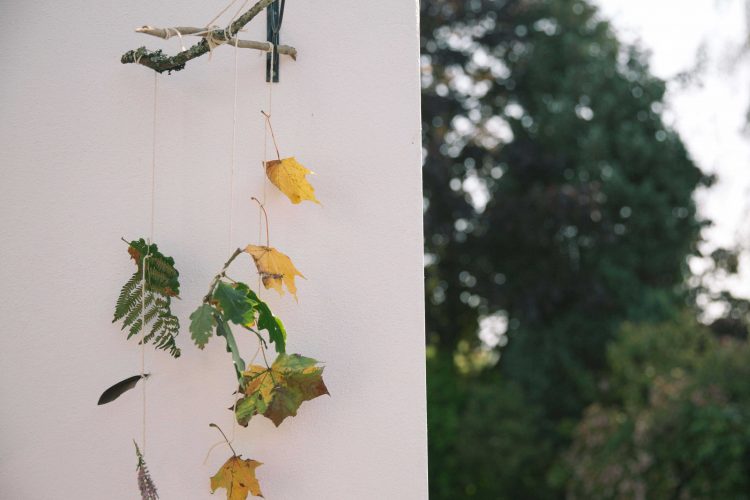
<point>75,154</point>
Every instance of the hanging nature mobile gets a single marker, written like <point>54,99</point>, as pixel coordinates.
<point>276,390</point>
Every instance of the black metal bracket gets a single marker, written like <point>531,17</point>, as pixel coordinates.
<point>274,16</point>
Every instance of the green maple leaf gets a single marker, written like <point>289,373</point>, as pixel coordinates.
<point>202,323</point>
<point>268,322</point>
<point>277,392</point>
<point>234,303</point>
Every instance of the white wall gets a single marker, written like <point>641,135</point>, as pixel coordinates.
<point>75,150</point>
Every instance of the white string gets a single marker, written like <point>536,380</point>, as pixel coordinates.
<point>145,264</point>
<point>231,197</point>
<point>266,125</point>
<point>169,35</point>
<point>143,347</point>
<point>234,148</point>
<point>231,217</point>
<point>227,36</point>
<point>242,7</point>
<point>153,156</point>
<point>220,13</point>
<point>231,183</point>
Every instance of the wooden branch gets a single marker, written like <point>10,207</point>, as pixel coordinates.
<point>159,62</point>
<point>167,33</point>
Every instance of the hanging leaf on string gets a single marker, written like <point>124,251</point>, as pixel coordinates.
<point>288,174</point>
<point>234,303</point>
<point>146,298</point>
<point>275,268</point>
<point>237,476</point>
<point>202,324</point>
<point>223,330</point>
<point>145,483</point>
<point>290,177</point>
<point>120,388</point>
<point>267,321</point>
<point>277,392</point>
<point>238,304</point>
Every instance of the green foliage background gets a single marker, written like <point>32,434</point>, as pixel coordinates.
<point>579,238</point>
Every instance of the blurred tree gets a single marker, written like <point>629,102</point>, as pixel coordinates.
<point>555,199</point>
<point>677,423</point>
<point>485,438</point>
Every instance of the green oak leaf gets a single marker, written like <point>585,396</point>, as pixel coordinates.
<point>202,323</point>
<point>234,303</point>
<point>277,392</point>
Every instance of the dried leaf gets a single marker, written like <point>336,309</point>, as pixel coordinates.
<point>278,392</point>
<point>237,476</point>
<point>119,389</point>
<point>275,268</point>
<point>289,176</point>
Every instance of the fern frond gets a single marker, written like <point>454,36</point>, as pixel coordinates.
<point>161,275</point>
<point>139,310</point>
<point>127,295</point>
<point>169,328</point>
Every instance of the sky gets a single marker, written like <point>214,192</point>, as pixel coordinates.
<point>711,113</point>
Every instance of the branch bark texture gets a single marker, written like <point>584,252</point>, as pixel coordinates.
<point>168,33</point>
<point>160,62</point>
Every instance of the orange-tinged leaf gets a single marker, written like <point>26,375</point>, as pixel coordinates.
<point>277,392</point>
<point>275,268</point>
<point>237,476</point>
<point>289,176</point>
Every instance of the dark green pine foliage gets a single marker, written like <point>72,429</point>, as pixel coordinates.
<point>555,195</point>
<point>150,305</point>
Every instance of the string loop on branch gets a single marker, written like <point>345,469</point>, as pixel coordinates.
<point>160,62</point>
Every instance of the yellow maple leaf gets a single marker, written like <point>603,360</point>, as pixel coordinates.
<point>289,176</point>
<point>260,381</point>
<point>274,268</point>
<point>237,476</point>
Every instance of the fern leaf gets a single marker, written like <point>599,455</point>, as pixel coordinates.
<point>161,275</point>
<point>136,309</point>
<point>165,336</point>
<point>126,297</point>
<point>150,311</point>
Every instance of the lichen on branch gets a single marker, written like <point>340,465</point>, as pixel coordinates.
<point>160,62</point>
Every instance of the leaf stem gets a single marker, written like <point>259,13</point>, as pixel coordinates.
<point>225,437</point>
<point>257,334</point>
<point>265,360</point>
<point>215,281</point>
<point>265,214</point>
<point>268,120</point>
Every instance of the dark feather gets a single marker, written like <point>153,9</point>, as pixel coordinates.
<point>119,389</point>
